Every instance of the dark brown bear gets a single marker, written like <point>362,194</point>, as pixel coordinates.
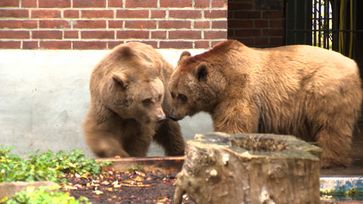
<point>129,102</point>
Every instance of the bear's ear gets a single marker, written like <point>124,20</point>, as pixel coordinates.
<point>201,72</point>
<point>184,55</point>
<point>120,79</point>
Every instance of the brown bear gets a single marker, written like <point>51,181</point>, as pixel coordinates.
<point>129,100</point>
<point>306,91</point>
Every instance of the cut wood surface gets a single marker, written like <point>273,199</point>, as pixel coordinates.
<point>249,168</point>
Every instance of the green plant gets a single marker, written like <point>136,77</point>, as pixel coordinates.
<point>47,166</point>
<point>44,196</point>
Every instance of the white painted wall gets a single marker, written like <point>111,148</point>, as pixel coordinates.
<point>44,97</point>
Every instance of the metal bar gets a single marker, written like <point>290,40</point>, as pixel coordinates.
<point>319,13</point>
<point>327,24</point>
<point>314,22</point>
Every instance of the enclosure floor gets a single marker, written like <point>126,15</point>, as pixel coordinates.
<point>357,155</point>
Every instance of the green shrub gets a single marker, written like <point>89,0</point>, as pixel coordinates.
<point>44,196</point>
<point>47,166</point>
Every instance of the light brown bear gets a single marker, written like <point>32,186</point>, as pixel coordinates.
<point>129,99</point>
<point>301,90</point>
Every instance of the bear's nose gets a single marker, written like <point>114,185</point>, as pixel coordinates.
<point>160,115</point>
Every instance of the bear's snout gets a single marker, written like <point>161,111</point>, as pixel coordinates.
<point>160,116</point>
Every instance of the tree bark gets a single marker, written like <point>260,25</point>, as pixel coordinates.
<point>249,168</point>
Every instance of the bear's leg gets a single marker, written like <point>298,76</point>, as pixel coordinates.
<point>104,144</point>
<point>169,136</point>
<point>138,145</point>
<point>336,144</point>
<point>241,117</point>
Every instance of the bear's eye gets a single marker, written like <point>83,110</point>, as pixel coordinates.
<point>172,94</point>
<point>147,102</point>
<point>183,98</point>
<point>159,97</point>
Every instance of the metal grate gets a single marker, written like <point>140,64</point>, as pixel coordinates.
<point>330,24</point>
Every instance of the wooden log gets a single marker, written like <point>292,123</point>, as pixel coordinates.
<point>249,168</point>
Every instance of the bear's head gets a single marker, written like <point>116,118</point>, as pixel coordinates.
<point>134,90</point>
<point>194,86</point>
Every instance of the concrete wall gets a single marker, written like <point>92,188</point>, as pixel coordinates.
<point>44,97</point>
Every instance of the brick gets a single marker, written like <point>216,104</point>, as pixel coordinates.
<point>54,24</point>
<point>115,3</point>
<point>70,34</point>
<point>261,23</point>
<point>89,24</point>
<point>112,44</point>
<point>158,14</point>
<point>277,23</point>
<point>247,14</point>
<point>132,14</point>
<point>149,42</point>
<point>136,34</point>
<point>88,45</point>
<point>12,34</point>
<point>201,44</point>
<point>240,23</point>
<point>71,14</point>
<point>248,32</point>
<point>54,3</point>
<point>273,32</point>
<point>9,44</point>
<point>18,24</point>
<point>30,45</point>
<point>158,34</point>
<point>201,3</point>
<point>276,41</point>
<point>141,3</point>
<point>202,24</point>
<point>14,13</point>
<point>215,14</point>
<point>176,44</point>
<point>55,45</point>
<point>140,24</point>
<point>46,34</point>
<point>184,34</point>
<point>28,4</point>
<point>115,23</point>
<point>215,34</point>
<point>247,41</point>
<point>175,3</point>
<point>261,42</point>
<point>174,24</point>
<point>240,6</point>
<point>185,14</point>
<point>97,34</point>
<point>97,14</point>
<point>45,14</point>
<point>9,3</point>
<point>219,3</point>
<point>89,3</point>
<point>273,14</point>
<point>219,24</point>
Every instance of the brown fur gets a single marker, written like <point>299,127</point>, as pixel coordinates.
<point>301,90</point>
<point>128,101</point>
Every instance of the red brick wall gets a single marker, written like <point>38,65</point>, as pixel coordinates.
<point>257,23</point>
<point>102,24</point>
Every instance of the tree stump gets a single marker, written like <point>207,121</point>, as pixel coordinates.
<point>249,168</point>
